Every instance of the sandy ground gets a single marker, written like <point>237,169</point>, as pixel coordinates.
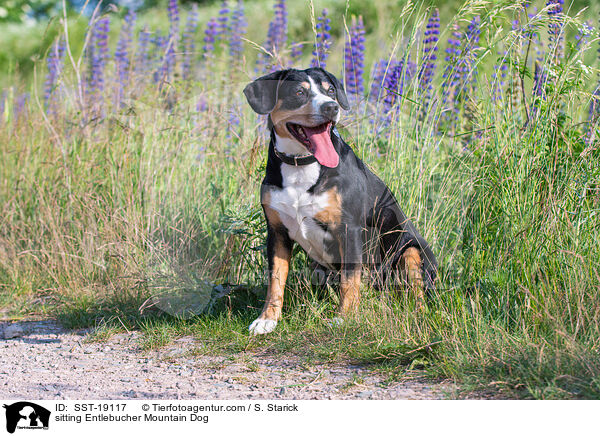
<point>40,360</point>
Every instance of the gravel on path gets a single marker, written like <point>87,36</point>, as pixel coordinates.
<point>41,360</point>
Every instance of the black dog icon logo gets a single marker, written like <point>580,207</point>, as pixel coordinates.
<point>26,415</point>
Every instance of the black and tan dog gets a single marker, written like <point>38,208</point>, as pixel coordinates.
<point>316,192</point>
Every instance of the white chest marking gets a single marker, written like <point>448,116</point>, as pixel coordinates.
<point>297,207</point>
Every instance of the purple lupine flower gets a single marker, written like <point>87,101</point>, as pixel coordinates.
<point>296,52</point>
<point>20,103</point>
<point>519,33</point>
<point>594,113</point>
<point>276,37</point>
<point>461,72</point>
<point>555,28</point>
<point>234,118</point>
<point>238,29</point>
<point>473,34</point>
<point>451,74</point>
<point>173,14</point>
<point>354,57</point>
<point>210,34</point>
<point>223,19</point>
<point>538,46</point>
<point>169,61</point>
<point>142,64</point>
<point>2,106</point>
<point>98,55</point>
<point>189,45</point>
<point>583,35</point>
<point>394,83</point>
<point>122,50</point>
<point>593,116</point>
<point>379,75</point>
<point>160,46</point>
<point>102,38</point>
<point>396,77</point>
<point>322,41</point>
<point>432,31</point>
<point>90,54</point>
<point>540,79</point>
<point>539,73</point>
<point>54,62</point>
<point>280,35</point>
<point>201,104</point>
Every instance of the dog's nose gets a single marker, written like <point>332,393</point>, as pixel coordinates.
<point>330,109</point>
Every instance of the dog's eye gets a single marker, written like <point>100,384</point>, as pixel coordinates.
<point>331,91</point>
<point>300,92</point>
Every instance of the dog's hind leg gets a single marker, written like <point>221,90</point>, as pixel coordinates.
<point>411,268</point>
<point>351,254</point>
<point>349,290</point>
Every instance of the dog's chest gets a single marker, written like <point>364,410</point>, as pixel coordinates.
<point>297,209</point>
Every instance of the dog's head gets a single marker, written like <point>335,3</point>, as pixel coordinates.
<point>303,106</point>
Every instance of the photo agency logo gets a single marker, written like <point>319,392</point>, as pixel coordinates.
<point>25,415</point>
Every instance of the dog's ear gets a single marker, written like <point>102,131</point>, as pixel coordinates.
<point>262,93</point>
<point>339,90</point>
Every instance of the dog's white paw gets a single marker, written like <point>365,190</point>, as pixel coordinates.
<point>335,322</point>
<point>262,326</point>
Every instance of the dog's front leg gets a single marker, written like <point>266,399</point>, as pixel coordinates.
<point>279,253</point>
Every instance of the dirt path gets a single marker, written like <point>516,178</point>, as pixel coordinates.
<point>40,360</point>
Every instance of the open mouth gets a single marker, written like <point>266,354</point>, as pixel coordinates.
<point>304,134</point>
<point>317,139</point>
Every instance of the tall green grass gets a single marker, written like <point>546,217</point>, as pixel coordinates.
<point>130,219</point>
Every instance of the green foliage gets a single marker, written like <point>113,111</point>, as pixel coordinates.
<point>20,11</point>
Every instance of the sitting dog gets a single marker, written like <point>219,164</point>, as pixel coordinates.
<point>317,193</point>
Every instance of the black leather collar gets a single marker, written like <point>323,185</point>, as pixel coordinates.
<point>294,160</point>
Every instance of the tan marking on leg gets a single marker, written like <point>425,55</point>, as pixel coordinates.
<point>272,215</point>
<point>411,267</point>
<point>277,279</point>
<point>332,213</point>
<point>349,291</point>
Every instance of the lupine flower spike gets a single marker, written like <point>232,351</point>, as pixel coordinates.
<point>276,37</point>
<point>322,41</point>
<point>210,37</point>
<point>98,58</point>
<point>431,34</point>
<point>189,44</point>
<point>122,56</point>
<point>142,64</point>
<point>223,20</point>
<point>379,72</point>
<point>169,62</point>
<point>55,64</point>
<point>354,57</point>
<point>555,29</point>
<point>238,30</point>
<point>451,75</point>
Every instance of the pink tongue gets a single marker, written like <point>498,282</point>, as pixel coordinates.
<point>322,146</point>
